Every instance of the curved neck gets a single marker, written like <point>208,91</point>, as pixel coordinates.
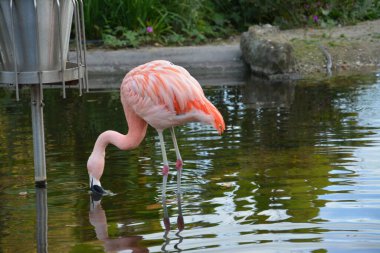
<point>124,142</point>
<point>136,133</point>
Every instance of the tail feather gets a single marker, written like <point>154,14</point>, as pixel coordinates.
<point>206,107</point>
<point>218,118</point>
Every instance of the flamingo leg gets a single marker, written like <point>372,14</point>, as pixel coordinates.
<point>179,162</point>
<point>165,169</point>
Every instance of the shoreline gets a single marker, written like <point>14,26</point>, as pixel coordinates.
<point>352,49</point>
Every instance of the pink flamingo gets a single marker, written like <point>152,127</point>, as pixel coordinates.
<point>162,95</point>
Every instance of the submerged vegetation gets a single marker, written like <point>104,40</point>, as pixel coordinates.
<point>133,23</point>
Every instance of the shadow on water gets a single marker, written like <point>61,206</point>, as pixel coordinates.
<point>297,169</point>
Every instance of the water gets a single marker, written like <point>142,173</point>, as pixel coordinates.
<point>298,170</point>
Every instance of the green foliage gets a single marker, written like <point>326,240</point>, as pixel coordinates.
<point>132,23</point>
<point>289,14</point>
<point>120,37</point>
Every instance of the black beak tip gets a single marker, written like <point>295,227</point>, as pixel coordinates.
<point>97,190</point>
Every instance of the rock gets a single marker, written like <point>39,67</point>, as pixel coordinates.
<point>23,193</point>
<point>267,53</point>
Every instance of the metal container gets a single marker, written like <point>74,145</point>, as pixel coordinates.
<point>34,42</point>
<point>34,45</point>
<point>35,34</point>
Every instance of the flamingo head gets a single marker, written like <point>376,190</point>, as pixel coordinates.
<point>95,167</point>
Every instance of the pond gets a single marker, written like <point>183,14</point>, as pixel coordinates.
<point>297,170</point>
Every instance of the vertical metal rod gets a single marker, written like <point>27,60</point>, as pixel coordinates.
<point>38,136</point>
<point>84,46</point>
<point>77,42</point>
<point>61,49</point>
<point>15,82</point>
<point>80,51</point>
<point>42,218</point>
<point>36,92</point>
<point>39,71</point>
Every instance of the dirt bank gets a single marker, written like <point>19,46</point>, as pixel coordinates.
<point>352,48</point>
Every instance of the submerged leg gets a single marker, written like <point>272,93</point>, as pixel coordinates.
<point>165,169</point>
<point>166,219</point>
<point>180,222</point>
<point>179,162</point>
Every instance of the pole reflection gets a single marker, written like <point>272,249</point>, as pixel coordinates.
<point>42,216</point>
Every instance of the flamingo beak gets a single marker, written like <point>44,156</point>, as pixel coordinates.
<point>96,187</point>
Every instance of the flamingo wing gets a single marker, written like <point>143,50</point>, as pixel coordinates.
<point>166,95</point>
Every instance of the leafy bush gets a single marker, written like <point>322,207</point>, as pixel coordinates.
<point>131,23</point>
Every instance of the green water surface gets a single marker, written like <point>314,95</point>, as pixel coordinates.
<point>297,170</point>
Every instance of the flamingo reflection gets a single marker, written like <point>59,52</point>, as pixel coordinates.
<point>98,219</point>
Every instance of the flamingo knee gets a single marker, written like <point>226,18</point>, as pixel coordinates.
<point>179,164</point>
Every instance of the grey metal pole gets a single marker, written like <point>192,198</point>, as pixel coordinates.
<point>15,81</point>
<point>38,135</point>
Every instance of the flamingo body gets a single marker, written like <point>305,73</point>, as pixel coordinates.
<point>162,95</point>
<point>166,95</point>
